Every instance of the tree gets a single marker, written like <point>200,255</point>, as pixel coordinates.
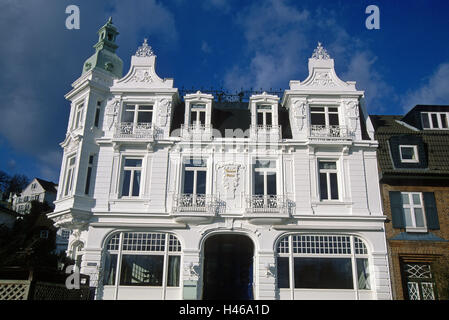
<point>23,246</point>
<point>14,184</point>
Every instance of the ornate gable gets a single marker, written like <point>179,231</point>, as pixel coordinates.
<point>142,74</point>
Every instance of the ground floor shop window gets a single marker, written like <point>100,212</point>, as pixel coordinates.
<point>322,262</point>
<point>142,259</point>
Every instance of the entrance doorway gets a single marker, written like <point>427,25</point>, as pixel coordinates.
<point>228,267</point>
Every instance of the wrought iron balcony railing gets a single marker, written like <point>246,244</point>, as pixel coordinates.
<point>267,204</point>
<point>142,130</point>
<point>329,132</point>
<point>186,203</point>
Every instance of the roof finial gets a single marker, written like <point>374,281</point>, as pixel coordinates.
<point>144,50</point>
<point>320,53</point>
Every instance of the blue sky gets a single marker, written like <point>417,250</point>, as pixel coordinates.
<point>217,43</point>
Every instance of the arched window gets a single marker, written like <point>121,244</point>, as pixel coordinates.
<point>322,262</point>
<point>143,258</point>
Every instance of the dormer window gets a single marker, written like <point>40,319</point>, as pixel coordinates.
<point>435,120</point>
<point>198,114</point>
<point>408,153</point>
<point>264,115</point>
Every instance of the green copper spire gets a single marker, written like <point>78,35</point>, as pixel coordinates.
<point>104,56</point>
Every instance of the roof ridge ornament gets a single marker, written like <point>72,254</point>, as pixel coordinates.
<point>320,53</point>
<point>144,50</point>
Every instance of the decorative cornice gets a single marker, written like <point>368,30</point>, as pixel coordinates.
<point>144,50</point>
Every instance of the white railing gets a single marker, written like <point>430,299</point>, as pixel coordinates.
<point>193,203</point>
<point>330,132</point>
<point>196,131</point>
<point>266,204</point>
<point>266,131</point>
<point>143,130</point>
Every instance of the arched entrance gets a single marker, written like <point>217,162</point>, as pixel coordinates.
<point>228,267</point>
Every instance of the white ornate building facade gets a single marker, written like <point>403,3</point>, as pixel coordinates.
<point>194,196</point>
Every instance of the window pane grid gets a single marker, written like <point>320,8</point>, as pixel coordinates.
<point>321,245</point>
<point>133,241</point>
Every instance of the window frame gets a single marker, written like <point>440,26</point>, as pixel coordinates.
<point>358,250</point>
<point>132,174</point>
<point>415,153</point>
<point>69,173</point>
<point>328,172</point>
<point>265,172</point>
<point>195,175</point>
<point>197,109</point>
<point>411,206</point>
<point>439,120</point>
<point>136,110</point>
<point>262,109</point>
<point>78,115</point>
<point>119,250</point>
<point>326,113</point>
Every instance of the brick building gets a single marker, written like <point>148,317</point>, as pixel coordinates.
<point>414,178</point>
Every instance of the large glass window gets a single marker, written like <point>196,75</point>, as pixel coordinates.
<point>144,259</point>
<point>322,262</point>
<point>328,180</point>
<point>131,177</point>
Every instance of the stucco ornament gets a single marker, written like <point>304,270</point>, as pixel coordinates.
<point>164,111</point>
<point>144,50</point>
<point>112,112</point>
<point>231,177</point>
<point>323,79</point>
<point>142,76</point>
<point>352,114</point>
<point>299,113</point>
<point>320,53</point>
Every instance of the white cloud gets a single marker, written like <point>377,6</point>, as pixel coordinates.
<point>362,69</point>
<point>434,91</point>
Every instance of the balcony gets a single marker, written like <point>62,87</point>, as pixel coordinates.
<point>196,131</point>
<point>194,208</point>
<point>131,130</point>
<point>266,133</point>
<point>266,209</point>
<point>322,132</point>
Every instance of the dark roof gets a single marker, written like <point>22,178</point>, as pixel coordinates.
<point>435,143</point>
<point>231,115</point>
<point>47,185</point>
